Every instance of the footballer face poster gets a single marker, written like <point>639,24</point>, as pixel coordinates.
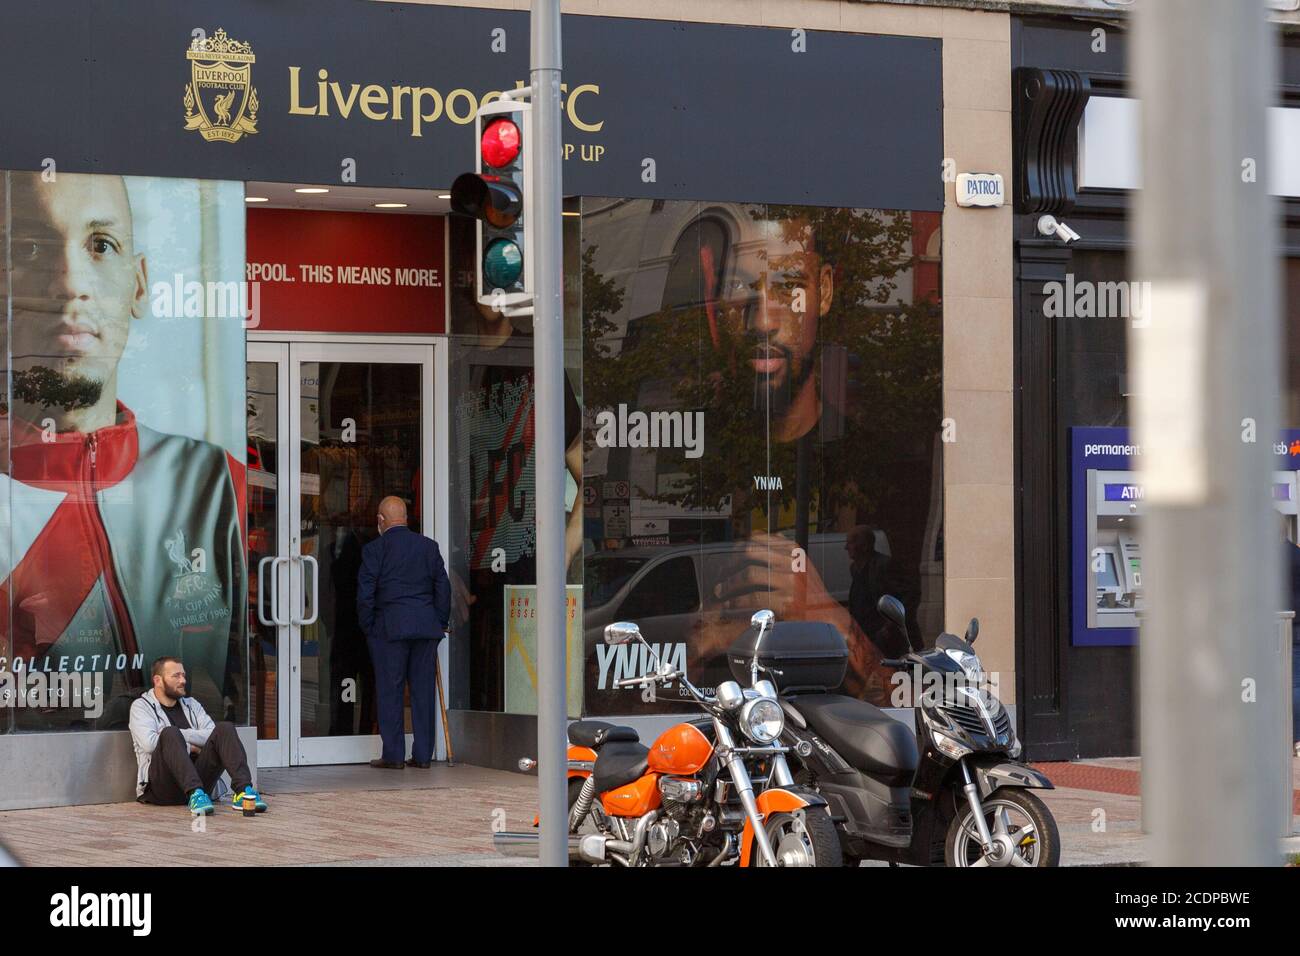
<point>122,441</point>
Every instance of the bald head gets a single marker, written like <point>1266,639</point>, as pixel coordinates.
<point>860,542</point>
<point>392,513</point>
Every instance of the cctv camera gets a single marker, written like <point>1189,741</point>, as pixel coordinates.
<point>1051,226</point>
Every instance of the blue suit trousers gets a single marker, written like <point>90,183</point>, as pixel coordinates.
<point>399,664</point>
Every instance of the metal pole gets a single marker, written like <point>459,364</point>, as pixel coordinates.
<point>1206,358</point>
<point>548,403</point>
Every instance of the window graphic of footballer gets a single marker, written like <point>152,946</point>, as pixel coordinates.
<point>124,541</point>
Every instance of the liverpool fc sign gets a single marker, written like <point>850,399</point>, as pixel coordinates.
<point>220,101</point>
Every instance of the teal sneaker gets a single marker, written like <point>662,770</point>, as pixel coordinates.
<point>200,803</point>
<point>237,799</point>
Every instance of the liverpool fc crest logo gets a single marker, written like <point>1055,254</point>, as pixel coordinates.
<point>220,101</point>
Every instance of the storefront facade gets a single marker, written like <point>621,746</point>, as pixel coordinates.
<point>788,356</point>
<point>1079,507</point>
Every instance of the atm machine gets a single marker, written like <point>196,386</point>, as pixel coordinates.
<point>1115,563</point>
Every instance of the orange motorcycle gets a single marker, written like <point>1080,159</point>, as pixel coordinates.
<point>713,791</point>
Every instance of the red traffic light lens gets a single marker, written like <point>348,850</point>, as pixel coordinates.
<point>501,142</point>
<point>494,199</point>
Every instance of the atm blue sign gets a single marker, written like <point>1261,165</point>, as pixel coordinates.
<point>1123,492</point>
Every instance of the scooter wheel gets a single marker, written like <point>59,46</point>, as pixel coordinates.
<point>1019,823</point>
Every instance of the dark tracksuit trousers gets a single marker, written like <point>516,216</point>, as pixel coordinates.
<point>174,773</point>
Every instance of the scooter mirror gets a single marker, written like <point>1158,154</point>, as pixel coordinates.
<point>891,608</point>
<point>973,630</point>
<point>622,632</point>
<point>764,619</point>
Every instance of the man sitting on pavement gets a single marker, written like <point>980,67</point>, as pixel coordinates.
<point>181,754</point>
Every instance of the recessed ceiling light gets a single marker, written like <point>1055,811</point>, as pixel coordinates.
<point>390,205</point>
<point>311,189</point>
<point>444,195</point>
<point>256,199</point>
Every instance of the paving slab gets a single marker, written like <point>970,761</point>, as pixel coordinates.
<point>445,816</point>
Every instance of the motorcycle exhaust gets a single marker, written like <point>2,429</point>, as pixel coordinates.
<point>584,848</point>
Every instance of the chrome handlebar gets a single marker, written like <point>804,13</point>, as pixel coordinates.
<point>667,678</point>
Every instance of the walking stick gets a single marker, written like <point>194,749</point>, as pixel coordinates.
<point>442,706</point>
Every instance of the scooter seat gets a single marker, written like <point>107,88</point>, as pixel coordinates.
<point>593,733</point>
<point>619,762</point>
<point>864,735</point>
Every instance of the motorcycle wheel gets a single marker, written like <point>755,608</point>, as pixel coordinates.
<point>803,838</point>
<point>1017,819</point>
<point>804,779</point>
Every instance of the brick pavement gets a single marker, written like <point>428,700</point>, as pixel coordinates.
<point>1121,776</point>
<point>356,816</point>
<point>340,826</point>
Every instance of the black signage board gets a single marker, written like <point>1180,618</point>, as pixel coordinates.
<point>317,91</point>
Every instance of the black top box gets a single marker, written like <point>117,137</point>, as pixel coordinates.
<point>811,655</point>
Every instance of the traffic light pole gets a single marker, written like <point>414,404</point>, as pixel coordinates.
<point>548,402</point>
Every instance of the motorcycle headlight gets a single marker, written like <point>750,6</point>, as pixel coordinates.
<point>950,746</point>
<point>969,663</point>
<point>945,738</point>
<point>762,720</point>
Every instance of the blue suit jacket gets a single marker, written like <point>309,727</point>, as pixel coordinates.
<point>403,593</point>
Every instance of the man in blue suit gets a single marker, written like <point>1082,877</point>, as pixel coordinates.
<point>403,602</point>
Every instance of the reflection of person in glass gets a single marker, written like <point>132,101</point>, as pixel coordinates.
<point>871,581</point>
<point>495,433</point>
<point>762,308</point>
<point>126,542</point>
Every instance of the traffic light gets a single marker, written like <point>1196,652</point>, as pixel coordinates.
<point>497,196</point>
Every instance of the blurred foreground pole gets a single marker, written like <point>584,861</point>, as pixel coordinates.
<point>548,359</point>
<point>1205,359</point>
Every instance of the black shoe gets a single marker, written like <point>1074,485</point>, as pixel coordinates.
<point>381,764</point>
<point>425,765</point>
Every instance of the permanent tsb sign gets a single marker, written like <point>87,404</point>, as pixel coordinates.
<point>385,94</point>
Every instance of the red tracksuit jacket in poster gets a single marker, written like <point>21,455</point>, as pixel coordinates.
<point>124,544</point>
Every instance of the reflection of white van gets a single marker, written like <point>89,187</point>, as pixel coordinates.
<point>637,584</point>
<point>664,589</point>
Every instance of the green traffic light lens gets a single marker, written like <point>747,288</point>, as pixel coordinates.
<point>502,263</point>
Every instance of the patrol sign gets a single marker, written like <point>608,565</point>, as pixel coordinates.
<point>980,189</point>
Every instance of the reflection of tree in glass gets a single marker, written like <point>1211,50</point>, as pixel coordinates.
<point>601,367</point>
<point>891,400</point>
<point>46,388</point>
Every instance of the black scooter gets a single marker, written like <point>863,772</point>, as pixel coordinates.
<point>953,794</point>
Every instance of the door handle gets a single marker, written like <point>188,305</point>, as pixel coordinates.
<point>302,619</point>
<point>261,591</point>
<point>275,593</point>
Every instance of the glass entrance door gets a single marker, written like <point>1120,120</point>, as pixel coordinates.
<point>354,424</point>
